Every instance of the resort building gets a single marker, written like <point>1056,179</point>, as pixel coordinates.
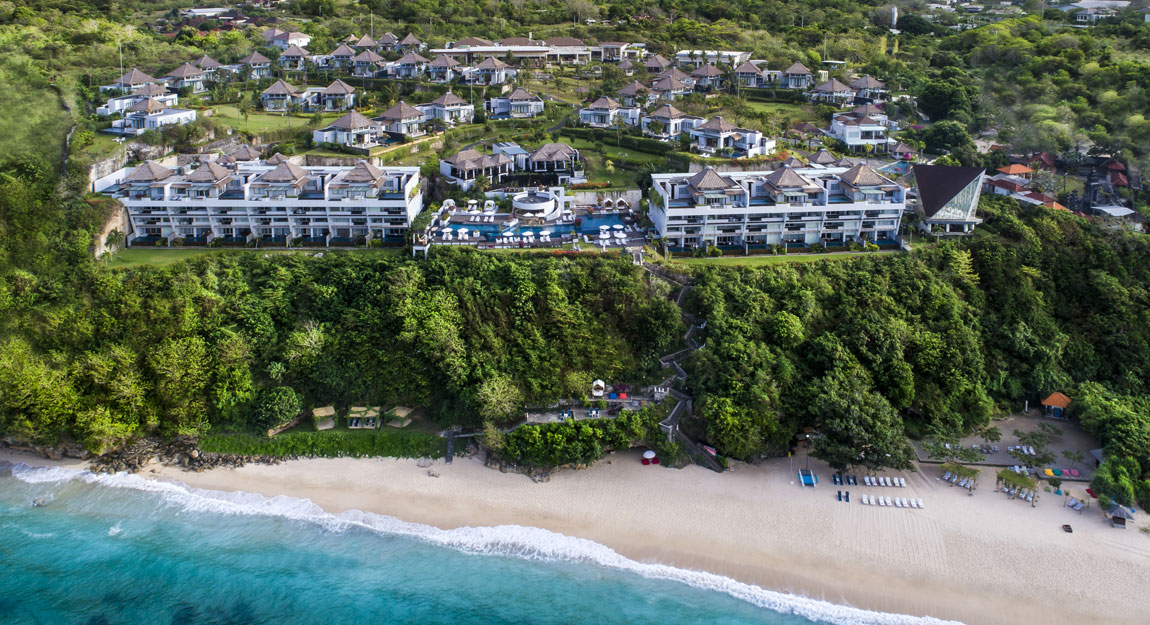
<point>718,136</point>
<point>656,64</point>
<point>150,114</point>
<point>798,207</point>
<point>364,43</point>
<point>280,97</point>
<point>695,58</point>
<point>635,94</point>
<point>186,76</point>
<point>131,81</point>
<point>567,51</point>
<point>120,104</point>
<point>557,158</point>
<point>443,69</point>
<point>338,96</point>
<point>708,77</point>
<point>256,66</point>
<point>410,43</point>
<point>294,59</point>
<point>518,104</point>
<point>667,122</point>
<point>869,88</point>
<point>352,130</point>
<point>410,65</point>
<point>491,71</point>
<point>366,64</point>
<point>947,198</point>
<point>617,52</point>
<point>832,91</point>
<point>448,107</point>
<point>607,113</point>
<point>670,88</point>
<point>273,203</point>
<point>465,167</point>
<point>865,125</point>
<point>211,68</point>
<point>797,76</point>
<point>387,41</point>
<point>341,57</point>
<point>749,75</point>
<point>283,39</point>
<point>403,119</point>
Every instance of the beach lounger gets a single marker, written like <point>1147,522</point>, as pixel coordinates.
<point>839,496</point>
<point>946,476</point>
<point>913,503</point>
<point>902,482</point>
<point>886,482</point>
<point>1079,507</point>
<point>1030,496</point>
<point>920,504</point>
<point>905,503</point>
<point>847,496</point>
<point>881,502</point>
<point>898,502</point>
<point>866,502</point>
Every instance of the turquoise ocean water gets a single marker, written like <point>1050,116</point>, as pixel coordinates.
<point>123,549</point>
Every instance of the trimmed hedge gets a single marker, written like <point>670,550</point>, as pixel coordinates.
<point>331,444</point>
<point>641,144</point>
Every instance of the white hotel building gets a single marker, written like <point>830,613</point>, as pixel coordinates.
<point>794,206</point>
<point>273,201</point>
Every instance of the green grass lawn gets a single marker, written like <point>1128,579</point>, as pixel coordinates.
<point>769,259</point>
<point>259,121</point>
<point>784,109</point>
<point>136,256</point>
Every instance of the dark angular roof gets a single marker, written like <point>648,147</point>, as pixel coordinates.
<point>523,94</point>
<point>245,153</point>
<point>667,112</point>
<point>448,99</point>
<point>351,120</point>
<point>149,171</point>
<point>832,86</point>
<point>748,68</point>
<point>410,40</point>
<point>658,60</point>
<point>554,152</point>
<point>797,68</point>
<point>284,172</point>
<point>444,61</point>
<point>718,124</point>
<point>209,172</point>
<point>707,71</point>
<point>254,58</point>
<point>403,110</point>
<point>786,177</point>
<point>343,50</point>
<point>412,58</point>
<point>206,62</point>
<point>938,184</point>
<point>491,63</point>
<point>294,52</point>
<point>367,56</point>
<point>669,84</point>
<point>146,106</point>
<point>133,77</point>
<point>604,103</point>
<point>364,42</point>
<point>280,87</point>
<point>339,87</point>
<point>862,176</point>
<point>634,89</point>
<point>363,172</point>
<point>709,179</point>
<point>150,90</point>
<point>867,82</point>
<point>823,157</point>
<point>187,70</point>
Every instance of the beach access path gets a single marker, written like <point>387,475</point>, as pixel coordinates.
<point>980,559</point>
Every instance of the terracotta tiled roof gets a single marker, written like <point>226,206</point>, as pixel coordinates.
<point>1056,399</point>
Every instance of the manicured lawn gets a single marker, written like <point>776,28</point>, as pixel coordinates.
<point>260,121</point>
<point>769,259</point>
<point>136,256</point>
<point>784,109</point>
<point>103,145</point>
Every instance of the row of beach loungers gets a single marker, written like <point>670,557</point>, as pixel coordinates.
<point>1075,505</point>
<point>877,480</point>
<point>1016,493</point>
<point>953,478</point>
<point>895,502</point>
<point>1029,451</point>
<point>483,218</point>
<point>844,480</point>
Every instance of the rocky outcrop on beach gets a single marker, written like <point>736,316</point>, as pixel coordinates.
<point>57,452</point>
<point>181,452</point>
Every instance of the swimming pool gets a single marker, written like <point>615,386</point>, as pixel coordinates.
<point>589,226</point>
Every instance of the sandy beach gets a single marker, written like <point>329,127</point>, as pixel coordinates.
<point>979,559</point>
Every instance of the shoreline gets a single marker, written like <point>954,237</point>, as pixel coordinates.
<point>980,559</point>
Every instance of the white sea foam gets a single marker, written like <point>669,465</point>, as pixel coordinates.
<point>517,541</point>
<point>115,530</point>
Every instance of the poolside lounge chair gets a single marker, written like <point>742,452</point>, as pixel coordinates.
<point>839,496</point>
<point>867,480</point>
<point>905,503</point>
<point>897,502</point>
<point>881,502</point>
<point>913,503</point>
<point>902,482</point>
<point>946,476</point>
<point>1078,508</point>
<point>920,504</point>
<point>885,481</point>
<point>847,496</point>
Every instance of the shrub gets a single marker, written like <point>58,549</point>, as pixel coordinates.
<point>329,444</point>
<point>276,406</point>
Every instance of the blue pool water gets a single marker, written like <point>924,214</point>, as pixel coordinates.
<point>122,549</point>
<point>589,225</point>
